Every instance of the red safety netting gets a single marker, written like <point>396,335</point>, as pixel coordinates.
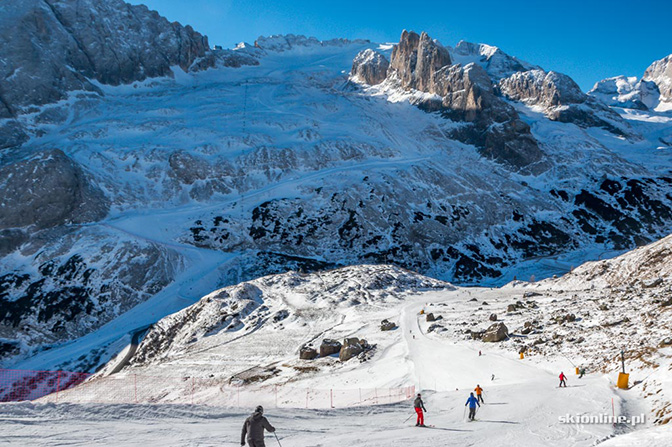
<point>62,386</point>
<point>17,385</point>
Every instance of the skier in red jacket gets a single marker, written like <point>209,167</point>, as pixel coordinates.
<point>563,377</point>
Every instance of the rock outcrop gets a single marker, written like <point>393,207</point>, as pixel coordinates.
<point>370,67</point>
<point>537,87</point>
<point>562,100</point>
<point>59,193</point>
<point>416,59</point>
<point>74,41</point>
<point>466,94</point>
<point>660,73</point>
<point>50,48</point>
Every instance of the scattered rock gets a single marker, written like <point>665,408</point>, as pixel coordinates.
<point>307,353</point>
<point>329,347</point>
<point>530,294</point>
<point>475,335</point>
<point>496,332</point>
<point>511,308</point>
<point>430,317</point>
<point>652,283</point>
<point>493,317</point>
<point>352,347</point>
<point>615,323</point>
<point>436,327</point>
<point>387,325</point>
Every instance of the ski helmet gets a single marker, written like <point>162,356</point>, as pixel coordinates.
<point>259,409</point>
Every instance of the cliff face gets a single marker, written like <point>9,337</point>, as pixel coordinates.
<point>52,47</point>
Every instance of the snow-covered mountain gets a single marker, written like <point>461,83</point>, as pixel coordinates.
<point>155,180</point>
<point>652,92</point>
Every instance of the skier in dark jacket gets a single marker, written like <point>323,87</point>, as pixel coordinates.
<point>472,402</point>
<point>419,407</point>
<point>254,428</point>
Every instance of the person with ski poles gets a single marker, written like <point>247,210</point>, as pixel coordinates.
<point>479,393</point>
<point>254,427</point>
<point>563,378</point>
<point>419,408</point>
<point>472,402</point>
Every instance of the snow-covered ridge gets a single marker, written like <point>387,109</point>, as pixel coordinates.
<point>652,92</point>
<point>285,42</point>
<point>286,301</point>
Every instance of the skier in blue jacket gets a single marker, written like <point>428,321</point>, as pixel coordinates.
<point>472,402</point>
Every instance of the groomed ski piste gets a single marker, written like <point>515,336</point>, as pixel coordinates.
<point>523,404</point>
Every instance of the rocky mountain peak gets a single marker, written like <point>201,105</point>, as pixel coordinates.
<point>537,87</point>
<point>52,47</point>
<point>652,92</point>
<point>417,58</point>
<point>496,62</point>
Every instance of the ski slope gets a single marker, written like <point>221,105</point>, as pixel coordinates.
<point>522,404</point>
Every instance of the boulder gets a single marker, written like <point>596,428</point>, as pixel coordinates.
<point>352,347</point>
<point>430,317</point>
<point>329,347</point>
<point>307,353</point>
<point>493,317</point>
<point>387,325</point>
<point>496,332</point>
<point>511,308</point>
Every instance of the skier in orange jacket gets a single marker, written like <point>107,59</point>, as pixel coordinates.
<point>479,393</point>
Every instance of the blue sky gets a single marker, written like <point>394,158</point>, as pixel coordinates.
<point>588,40</point>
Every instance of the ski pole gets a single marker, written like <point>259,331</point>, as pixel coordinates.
<point>407,419</point>
<point>464,413</point>
<point>276,438</point>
